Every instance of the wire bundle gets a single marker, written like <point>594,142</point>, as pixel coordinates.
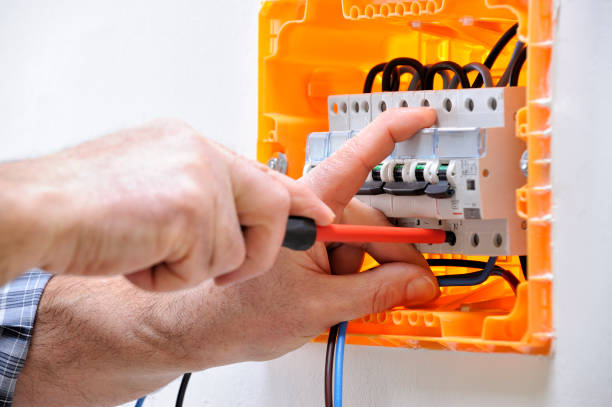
<point>423,75</point>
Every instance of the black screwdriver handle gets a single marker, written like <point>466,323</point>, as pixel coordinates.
<point>301,233</point>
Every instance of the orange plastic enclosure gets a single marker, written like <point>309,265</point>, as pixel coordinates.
<point>310,49</point>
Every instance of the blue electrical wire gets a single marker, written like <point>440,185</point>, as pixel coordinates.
<point>140,401</point>
<point>338,364</point>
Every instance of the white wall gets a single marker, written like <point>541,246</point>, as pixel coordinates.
<point>72,70</point>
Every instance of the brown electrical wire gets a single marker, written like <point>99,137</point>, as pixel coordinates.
<point>329,365</point>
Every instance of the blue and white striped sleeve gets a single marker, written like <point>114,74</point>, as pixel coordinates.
<point>18,304</point>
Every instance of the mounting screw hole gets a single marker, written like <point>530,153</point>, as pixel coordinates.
<point>403,103</point>
<point>475,240</point>
<point>365,106</point>
<point>448,105</point>
<point>344,107</point>
<point>334,108</point>
<point>424,102</point>
<point>356,107</point>
<point>492,103</point>
<point>469,104</point>
<point>498,240</point>
<point>382,106</point>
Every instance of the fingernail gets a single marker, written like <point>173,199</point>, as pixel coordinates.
<point>421,290</point>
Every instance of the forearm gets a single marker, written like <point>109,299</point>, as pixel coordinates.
<point>99,342</point>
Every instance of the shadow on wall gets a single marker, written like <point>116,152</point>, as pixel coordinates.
<point>404,377</point>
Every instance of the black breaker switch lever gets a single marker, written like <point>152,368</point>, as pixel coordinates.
<point>441,190</point>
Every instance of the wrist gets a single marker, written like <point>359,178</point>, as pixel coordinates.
<point>177,327</point>
<point>29,219</point>
<point>93,329</point>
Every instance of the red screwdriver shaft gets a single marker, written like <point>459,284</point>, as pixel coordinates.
<point>388,234</point>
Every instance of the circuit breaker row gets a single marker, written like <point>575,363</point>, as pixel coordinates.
<point>426,186</point>
<point>459,175</point>
<point>412,178</point>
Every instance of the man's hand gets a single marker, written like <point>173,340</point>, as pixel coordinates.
<point>159,203</point>
<point>118,343</point>
<point>299,298</point>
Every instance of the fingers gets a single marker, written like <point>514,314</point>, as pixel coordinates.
<point>262,246</point>
<point>264,200</point>
<point>158,278</point>
<point>347,258</point>
<point>304,202</point>
<point>338,178</point>
<point>262,207</point>
<point>404,278</point>
<point>389,285</point>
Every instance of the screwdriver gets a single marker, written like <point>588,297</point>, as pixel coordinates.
<point>302,233</point>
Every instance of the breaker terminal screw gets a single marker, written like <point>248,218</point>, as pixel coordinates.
<point>279,163</point>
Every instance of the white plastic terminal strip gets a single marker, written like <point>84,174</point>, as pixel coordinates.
<point>482,108</point>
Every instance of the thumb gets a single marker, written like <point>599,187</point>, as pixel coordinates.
<point>379,289</point>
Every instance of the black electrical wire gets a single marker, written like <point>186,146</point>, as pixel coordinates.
<point>181,393</point>
<point>468,279</point>
<point>495,51</point>
<point>505,78</point>
<point>404,70</point>
<point>523,260</point>
<point>426,69</point>
<point>516,69</point>
<point>508,276</point>
<point>457,263</point>
<point>444,74</point>
<point>445,79</point>
<point>329,365</point>
<point>369,81</point>
<point>444,66</point>
<point>387,84</point>
<point>483,71</point>
<point>496,271</point>
<point>415,83</point>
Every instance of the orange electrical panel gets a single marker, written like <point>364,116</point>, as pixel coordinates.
<point>310,49</point>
